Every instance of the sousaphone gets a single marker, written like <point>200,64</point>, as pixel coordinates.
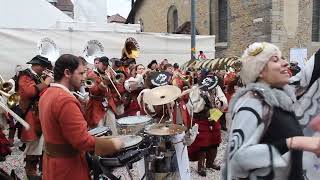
<point>92,50</point>
<point>48,48</point>
<point>131,49</point>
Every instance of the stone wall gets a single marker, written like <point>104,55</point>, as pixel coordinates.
<point>286,23</point>
<point>293,26</point>
<point>249,21</point>
<point>154,14</point>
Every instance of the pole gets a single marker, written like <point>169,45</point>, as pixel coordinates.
<point>193,29</point>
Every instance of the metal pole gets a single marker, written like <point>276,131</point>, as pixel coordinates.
<point>193,29</point>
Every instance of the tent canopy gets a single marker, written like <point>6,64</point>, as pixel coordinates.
<point>37,14</point>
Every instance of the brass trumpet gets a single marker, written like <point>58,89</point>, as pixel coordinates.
<point>46,73</point>
<point>5,87</point>
<point>89,82</point>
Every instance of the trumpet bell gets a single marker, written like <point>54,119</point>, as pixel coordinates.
<point>6,86</point>
<point>89,82</point>
<point>13,100</point>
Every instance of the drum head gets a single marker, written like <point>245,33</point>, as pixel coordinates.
<point>99,131</point>
<point>132,120</point>
<point>128,140</point>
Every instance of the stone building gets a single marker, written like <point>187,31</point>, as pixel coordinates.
<point>237,23</point>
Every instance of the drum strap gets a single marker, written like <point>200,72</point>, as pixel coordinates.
<point>60,150</point>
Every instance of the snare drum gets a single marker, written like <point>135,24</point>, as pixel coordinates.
<point>100,131</point>
<point>132,125</point>
<point>130,152</point>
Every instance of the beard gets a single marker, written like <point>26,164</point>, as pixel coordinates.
<point>74,85</point>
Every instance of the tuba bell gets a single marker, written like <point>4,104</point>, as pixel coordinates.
<point>48,48</point>
<point>131,49</point>
<point>92,50</point>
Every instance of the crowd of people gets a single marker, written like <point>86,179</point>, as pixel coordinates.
<point>62,101</point>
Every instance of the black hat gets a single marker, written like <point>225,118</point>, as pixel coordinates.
<point>152,62</point>
<point>104,60</point>
<point>40,60</point>
<point>208,83</point>
<point>160,78</point>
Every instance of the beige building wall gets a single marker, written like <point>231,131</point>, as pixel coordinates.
<point>154,14</point>
<point>292,25</point>
<point>287,23</point>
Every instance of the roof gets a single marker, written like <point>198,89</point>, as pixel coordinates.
<point>136,6</point>
<point>65,5</point>
<point>117,18</point>
<point>185,28</point>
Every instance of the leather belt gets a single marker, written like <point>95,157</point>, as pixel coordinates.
<point>60,150</point>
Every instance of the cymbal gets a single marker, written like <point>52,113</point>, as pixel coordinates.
<point>165,129</point>
<point>161,95</point>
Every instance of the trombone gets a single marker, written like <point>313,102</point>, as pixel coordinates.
<point>13,99</point>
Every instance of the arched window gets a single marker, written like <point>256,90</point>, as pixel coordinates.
<point>141,25</point>
<point>172,19</point>
<point>213,18</point>
<point>315,21</point>
<point>223,21</point>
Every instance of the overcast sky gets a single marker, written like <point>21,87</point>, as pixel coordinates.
<point>121,7</point>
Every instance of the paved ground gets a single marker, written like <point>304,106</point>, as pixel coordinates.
<point>15,161</point>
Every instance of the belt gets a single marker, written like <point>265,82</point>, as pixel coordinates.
<point>60,150</point>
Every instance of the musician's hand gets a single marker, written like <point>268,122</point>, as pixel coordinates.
<point>118,143</point>
<point>48,80</point>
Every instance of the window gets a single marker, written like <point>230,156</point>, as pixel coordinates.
<point>141,25</point>
<point>172,19</point>
<point>223,21</point>
<point>315,21</point>
<point>219,19</point>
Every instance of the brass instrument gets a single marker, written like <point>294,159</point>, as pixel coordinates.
<point>131,49</point>
<point>5,85</point>
<point>12,99</point>
<point>15,116</point>
<point>89,82</point>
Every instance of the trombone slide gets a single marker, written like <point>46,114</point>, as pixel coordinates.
<point>15,116</point>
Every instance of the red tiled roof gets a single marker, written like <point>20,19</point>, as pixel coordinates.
<point>116,18</point>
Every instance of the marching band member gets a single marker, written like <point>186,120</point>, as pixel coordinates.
<point>4,142</point>
<point>64,126</point>
<point>134,86</point>
<point>29,86</point>
<point>101,107</point>
<point>202,103</point>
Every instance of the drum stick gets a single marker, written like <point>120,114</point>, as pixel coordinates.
<point>188,91</point>
<point>15,116</point>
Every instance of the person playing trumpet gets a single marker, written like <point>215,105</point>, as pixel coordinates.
<point>101,107</point>
<point>29,86</point>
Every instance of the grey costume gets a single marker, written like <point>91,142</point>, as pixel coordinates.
<point>246,157</point>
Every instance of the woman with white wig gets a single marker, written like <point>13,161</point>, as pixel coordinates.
<point>266,140</point>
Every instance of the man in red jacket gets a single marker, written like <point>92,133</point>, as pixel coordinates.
<point>29,85</point>
<point>64,127</point>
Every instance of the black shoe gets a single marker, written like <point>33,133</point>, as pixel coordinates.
<point>23,147</point>
<point>202,173</point>
<point>224,129</point>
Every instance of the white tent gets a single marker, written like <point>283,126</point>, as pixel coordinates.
<point>19,45</point>
<point>35,14</point>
